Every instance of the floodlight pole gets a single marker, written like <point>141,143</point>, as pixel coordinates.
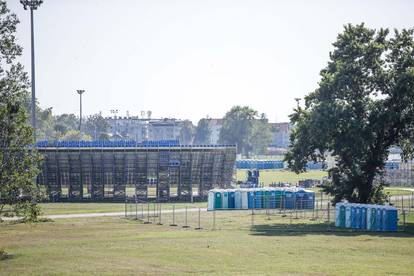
<point>80,92</point>
<point>32,5</point>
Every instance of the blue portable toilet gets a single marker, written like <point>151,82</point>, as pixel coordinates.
<point>218,201</point>
<point>273,199</point>
<point>258,199</point>
<point>371,217</point>
<point>307,200</point>
<point>225,197</point>
<point>231,199</point>
<point>358,216</point>
<point>279,198</point>
<point>337,214</point>
<point>266,198</point>
<point>342,216</point>
<point>348,221</point>
<point>238,199</point>
<point>299,199</point>
<point>250,196</point>
<point>353,216</point>
<point>210,200</point>
<point>289,199</point>
<point>384,218</point>
<point>244,199</point>
<point>392,218</point>
<point>378,225</point>
<point>363,218</point>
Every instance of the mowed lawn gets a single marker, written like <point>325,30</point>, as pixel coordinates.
<point>116,246</point>
<point>285,176</point>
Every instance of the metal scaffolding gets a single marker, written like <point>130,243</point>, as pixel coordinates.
<point>161,173</point>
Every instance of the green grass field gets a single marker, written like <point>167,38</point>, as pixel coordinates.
<point>269,176</point>
<point>116,246</point>
<point>397,191</point>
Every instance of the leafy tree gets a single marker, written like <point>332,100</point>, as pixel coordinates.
<point>187,132</point>
<point>19,164</point>
<point>65,122</point>
<point>261,135</point>
<point>364,104</point>
<point>45,123</point>
<point>96,126</point>
<point>237,128</point>
<point>75,135</point>
<point>202,132</point>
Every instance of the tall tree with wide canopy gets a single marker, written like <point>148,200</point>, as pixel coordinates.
<point>238,128</point>
<point>202,132</point>
<point>18,163</point>
<point>364,104</point>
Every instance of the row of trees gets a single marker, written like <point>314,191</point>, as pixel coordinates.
<point>241,125</point>
<point>66,126</point>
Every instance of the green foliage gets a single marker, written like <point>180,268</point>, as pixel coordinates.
<point>243,126</point>
<point>187,132</point>
<point>18,163</point>
<point>65,122</point>
<point>75,135</point>
<point>261,135</point>
<point>202,132</point>
<point>364,105</point>
<point>96,126</point>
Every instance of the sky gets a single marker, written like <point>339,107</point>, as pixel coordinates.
<point>189,59</point>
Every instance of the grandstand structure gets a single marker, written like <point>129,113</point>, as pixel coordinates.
<point>112,171</point>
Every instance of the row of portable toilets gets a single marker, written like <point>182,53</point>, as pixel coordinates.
<point>260,198</point>
<point>367,217</point>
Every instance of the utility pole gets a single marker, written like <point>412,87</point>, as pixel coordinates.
<point>80,92</point>
<point>32,5</point>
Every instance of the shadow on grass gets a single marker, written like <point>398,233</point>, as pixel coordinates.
<point>22,220</point>
<point>301,229</point>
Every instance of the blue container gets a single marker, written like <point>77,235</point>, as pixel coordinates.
<point>231,199</point>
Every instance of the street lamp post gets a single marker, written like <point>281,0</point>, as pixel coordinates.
<point>32,5</point>
<point>80,92</point>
